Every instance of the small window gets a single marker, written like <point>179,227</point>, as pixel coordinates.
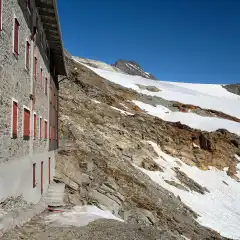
<point>35,125</point>
<point>41,76</point>
<point>28,3</point>
<point>50,132</point>
<point>34,175</point>
<point>46,86</point>
<point>0,15</point>
<point>14,119</point>
<point>26,124</point>
<point>35,68</point>
<point>27,55</point>
<point>45,129</point>
<point>16,37</point>
<point>51,93</point>
<point>40,127</point>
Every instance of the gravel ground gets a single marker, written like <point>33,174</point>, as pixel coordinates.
<point>37,229</point>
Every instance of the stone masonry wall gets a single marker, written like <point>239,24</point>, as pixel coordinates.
<point>17,82</point>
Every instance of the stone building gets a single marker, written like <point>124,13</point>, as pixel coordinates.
<point>31,59</point>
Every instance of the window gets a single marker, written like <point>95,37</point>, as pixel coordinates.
<point>46,83</point>
<point>27,54</point>
<point>34,175</point>
<point>45,129</point>
<point>28,3</point>
<point>35,68</point>
<point>50,132</point>
<point>41,75</point>
<point>40,127</point>
<point>0,15</point>
<point>51,98</point>
<point>26,124</point>
<point>34,125</point>
<point>16,37</point>
<point>14,119</point>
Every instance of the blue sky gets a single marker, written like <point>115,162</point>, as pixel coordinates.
<point>175,40</point>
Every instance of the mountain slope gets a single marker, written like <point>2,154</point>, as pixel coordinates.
<point>122,159</point>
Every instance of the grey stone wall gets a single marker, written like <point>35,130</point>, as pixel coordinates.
<point>17,82</point>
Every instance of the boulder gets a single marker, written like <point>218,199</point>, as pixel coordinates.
<point>205,142</point>
<point>104,200</point>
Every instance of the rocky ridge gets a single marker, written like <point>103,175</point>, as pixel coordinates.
<point>132,68</point>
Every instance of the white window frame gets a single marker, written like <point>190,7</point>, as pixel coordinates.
<point>40,130</point>
<point>27,108</point>
<point>11,128</point>
<point>34,114</point>
<point>45,120</point>
<point>13,36</point>
<point>27,41</point>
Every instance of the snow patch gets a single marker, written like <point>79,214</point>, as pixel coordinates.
<point>191,119</point>
<point>95,101</point>
<point>219,209</point>
<point>209,96</point>
<point>122,111</point>
<point>79,216</point>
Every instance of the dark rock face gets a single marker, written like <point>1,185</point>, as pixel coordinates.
<point>132,68</point>
<point>233,88</point>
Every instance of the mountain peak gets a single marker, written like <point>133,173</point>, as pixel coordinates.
<point>132,68</point>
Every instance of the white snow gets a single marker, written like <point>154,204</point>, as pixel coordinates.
<point>96,101</point>
<point>219,209</point>
<point>191,119</point>
<point>79,216</point>
<point>122,111</point>
<point>209,96</point>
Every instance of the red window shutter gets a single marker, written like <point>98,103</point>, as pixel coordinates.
<point>50,132</point>
<point>34,175</point>
<point>53,131</point>
<point>0,15</point>
<point>40,129</point>
<point>14,120</point>
<point>16,36</point>
<point>35,68</point>
<point>26,127</point>
<point>27,54</point>
<point>45,134</point>
<point>35,125</point>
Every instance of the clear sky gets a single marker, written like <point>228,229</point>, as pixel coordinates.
<point>175,40</point>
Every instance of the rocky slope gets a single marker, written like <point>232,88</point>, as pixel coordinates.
<point>132,68</point>
<point>102,146</point>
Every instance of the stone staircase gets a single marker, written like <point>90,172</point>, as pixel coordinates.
<point>53,198</point>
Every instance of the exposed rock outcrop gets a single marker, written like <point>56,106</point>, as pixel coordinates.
<point>132,68</point>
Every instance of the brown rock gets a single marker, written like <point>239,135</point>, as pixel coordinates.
<point>205,142</point>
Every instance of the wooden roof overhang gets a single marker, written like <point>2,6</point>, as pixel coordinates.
<point>47,10</point>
